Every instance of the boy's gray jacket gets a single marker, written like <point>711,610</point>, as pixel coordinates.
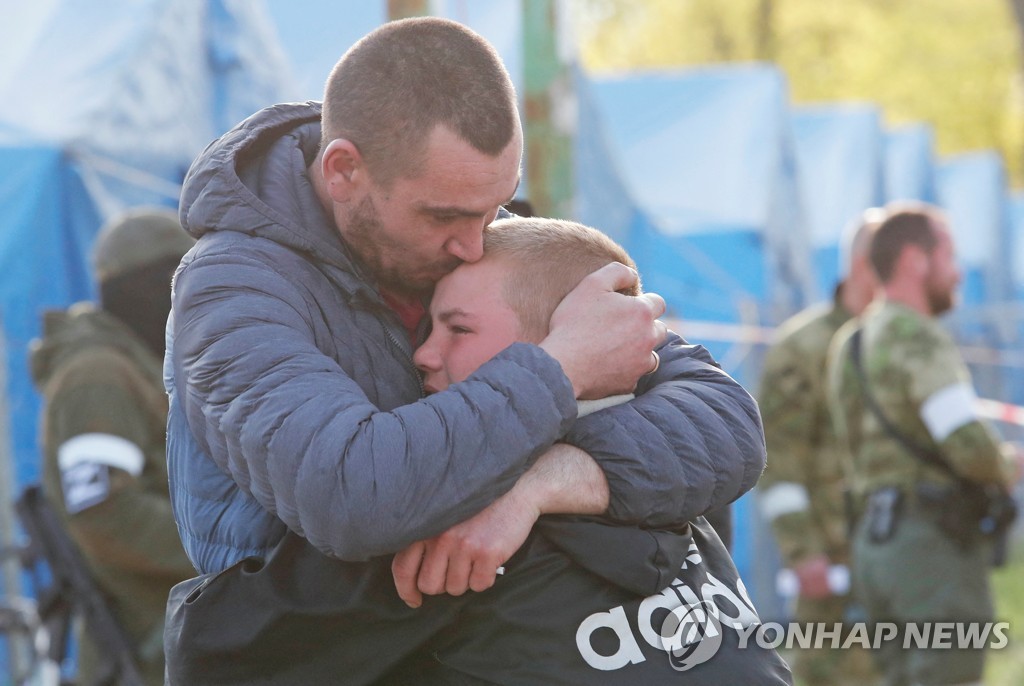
<point>294,401</point>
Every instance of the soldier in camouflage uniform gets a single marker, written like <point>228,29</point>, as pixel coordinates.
<point>908,564</point>
<point>801,491</point>
<point>103,429</point>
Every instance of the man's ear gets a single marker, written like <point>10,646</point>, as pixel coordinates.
<point>343,169</point>
<point>914,260</point>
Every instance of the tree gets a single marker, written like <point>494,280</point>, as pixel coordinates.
<point>1018,13</point>
<point>405,9</point>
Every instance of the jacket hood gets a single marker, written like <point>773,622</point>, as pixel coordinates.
<point>254,180</point>
<point>83,326</point>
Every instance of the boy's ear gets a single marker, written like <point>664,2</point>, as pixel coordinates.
<point>343,169</point>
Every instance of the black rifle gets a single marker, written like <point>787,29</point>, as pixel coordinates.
<point>69,590</point>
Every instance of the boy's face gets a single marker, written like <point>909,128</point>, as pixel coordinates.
<point>472,323</point>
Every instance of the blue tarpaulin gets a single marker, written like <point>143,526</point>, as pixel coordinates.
<point>132,93</point>
<point>705,157</point>
<point>102,108</point>
<point>1016,216</point>
<point>1014,316</point>
<point>840,163</point>
<point>49,223</point>
<point>910,163</point>
<point>972,189</point>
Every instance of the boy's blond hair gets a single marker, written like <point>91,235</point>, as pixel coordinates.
<point>547,259</point>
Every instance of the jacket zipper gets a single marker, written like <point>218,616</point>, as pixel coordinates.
<point>407,357</point>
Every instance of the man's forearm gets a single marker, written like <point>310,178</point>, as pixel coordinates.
<point>565,480</point>
<point>690,442</point>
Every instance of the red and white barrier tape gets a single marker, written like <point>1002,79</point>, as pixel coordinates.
<point>995,410</point>
<point>1002,412</point>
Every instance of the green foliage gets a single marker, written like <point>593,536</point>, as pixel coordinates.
<point>952,63</point>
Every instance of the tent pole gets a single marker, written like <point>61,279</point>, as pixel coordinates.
<point>549,108</point>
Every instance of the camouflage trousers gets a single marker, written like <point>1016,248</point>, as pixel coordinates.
<point>919,575</point>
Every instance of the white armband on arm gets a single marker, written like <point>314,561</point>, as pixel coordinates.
<point>85,461</point>
<point>949,408</point>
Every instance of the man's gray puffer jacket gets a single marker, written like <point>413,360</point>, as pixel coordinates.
<point>295,402</point>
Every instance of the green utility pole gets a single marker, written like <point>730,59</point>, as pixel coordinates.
<point>550,107</point>
<point>403,9</point>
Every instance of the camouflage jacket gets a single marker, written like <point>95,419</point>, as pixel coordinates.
<point>921,384</point>
<point>801,491</point>
<point>103,432</point>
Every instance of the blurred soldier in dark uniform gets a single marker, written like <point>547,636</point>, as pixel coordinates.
<point>903,403</point>
<point>103,429</point>
<point>801,491</point>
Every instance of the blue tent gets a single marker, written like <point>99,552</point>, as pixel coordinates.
<point>1016,216</point>
<point>103,107</point>
<point>1014,318</point>
<point>705,157</point>
<point>840,153</point>
<point>910,163</point>
<point>972,189</point>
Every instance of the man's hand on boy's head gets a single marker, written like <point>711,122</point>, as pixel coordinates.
<point>603,339</point>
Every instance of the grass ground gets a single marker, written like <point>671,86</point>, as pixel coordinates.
<point>1006,666</point>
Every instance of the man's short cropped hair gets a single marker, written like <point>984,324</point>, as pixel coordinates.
<point>548,258</point>
<point>906,224</point>
<point>393,87</point>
